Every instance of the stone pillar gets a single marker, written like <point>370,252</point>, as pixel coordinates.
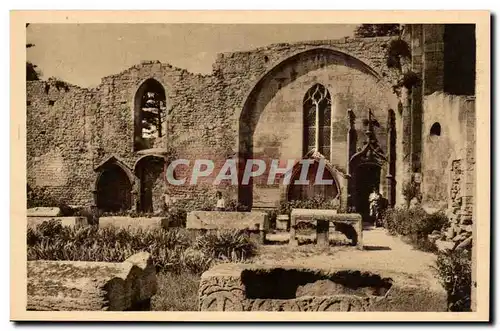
<point>351,150</point>
<point>293,234</point>
<point>468,181</point>
<point>417,40</point>
<point>135,198</point>
<point>406,138</point>
<point>94,196</point>
<point>322,231</point>
<point>391,157</point>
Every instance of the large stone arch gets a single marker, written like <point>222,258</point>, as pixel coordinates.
<point>271,83</point>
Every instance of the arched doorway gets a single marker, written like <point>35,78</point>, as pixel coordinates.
<point>149,170</point>
<point>114,190</point>
<point>297,191</point>
<point>367,178</point>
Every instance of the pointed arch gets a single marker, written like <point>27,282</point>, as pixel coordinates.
<point>330,173</point>
<point>317,112</point>
<point>266,88</point>
<point>114,186</point>
<point>150,104</point>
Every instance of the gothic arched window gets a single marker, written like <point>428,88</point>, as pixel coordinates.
<point>149,113</point>
<point>317,120</point>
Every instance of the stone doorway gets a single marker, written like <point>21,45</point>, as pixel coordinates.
<point>312,189</point>
<point>114,190</point>
<point>367,177</point>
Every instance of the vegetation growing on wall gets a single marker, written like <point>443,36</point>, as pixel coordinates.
<point>398,58</point>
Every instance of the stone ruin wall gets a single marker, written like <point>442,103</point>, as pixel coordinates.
<point>60,123</point>
<point>448,160</point>
<point>202,117</point>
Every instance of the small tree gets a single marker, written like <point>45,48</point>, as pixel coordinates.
<point>410,191</point>
<point>377,30</point>
<point>32,73</point>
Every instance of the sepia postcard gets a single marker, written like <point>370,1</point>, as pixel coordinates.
<point>250,166</point>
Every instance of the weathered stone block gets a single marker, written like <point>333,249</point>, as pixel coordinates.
<point>211,220</point>
<point>238,287</point>
<point>133,222</point>
<point>65,221</point>
<point>84,286</point>
<point>44,212</point>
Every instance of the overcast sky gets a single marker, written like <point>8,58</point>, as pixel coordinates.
<point>82,54</point>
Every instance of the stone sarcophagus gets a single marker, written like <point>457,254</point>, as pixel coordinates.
<point>89,286</point>
<point>239,287</point>
<point>349,224</point>
<point>257,222</point>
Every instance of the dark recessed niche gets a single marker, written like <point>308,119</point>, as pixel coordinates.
<point>28,103</point>
<point>435,129</point>
<point>51,102</point>
<point>266,58</point>
<point>42,132</point>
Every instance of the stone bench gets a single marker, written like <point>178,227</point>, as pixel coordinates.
<point>133,222</point>
<point>88,286</point>
<point>44,212</point>
<point>65,221</point>
<point>249,287</point>
<point>218,220</point>
<point>349,224</point>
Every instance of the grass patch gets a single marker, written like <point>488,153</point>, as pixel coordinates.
<point>176,292</point>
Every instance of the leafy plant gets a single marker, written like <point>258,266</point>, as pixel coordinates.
<point>415,224</point>
<point>410,191</point>
<point>454,272</point>
<point>397,51</point>
<point>172,250</point>
<point>377,30</point>
<point>228,245</point>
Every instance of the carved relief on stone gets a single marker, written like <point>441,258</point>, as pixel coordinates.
<point>221,294</point>
<point>221,301</point>
<point>343,304</point>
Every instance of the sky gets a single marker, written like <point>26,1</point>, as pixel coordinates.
<point>82,54</point>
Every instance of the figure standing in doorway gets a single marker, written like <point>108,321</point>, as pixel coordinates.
<point>375,203</point>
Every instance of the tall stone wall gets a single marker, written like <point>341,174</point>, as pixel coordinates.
<point>448,160</point>
<point>60,157</point>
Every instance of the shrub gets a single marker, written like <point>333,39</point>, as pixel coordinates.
<point>171,249</point>
<point>229,245</point>
<point>415,224</point>
<point>454,272</point>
